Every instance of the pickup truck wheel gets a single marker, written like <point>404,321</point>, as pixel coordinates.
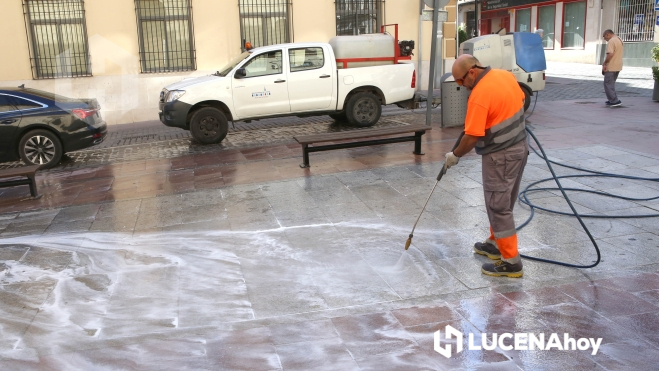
<point>339,116</point>
<point>209,125</point>
<point>363,109</point>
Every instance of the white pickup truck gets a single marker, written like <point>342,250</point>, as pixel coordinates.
<point>299,79</point>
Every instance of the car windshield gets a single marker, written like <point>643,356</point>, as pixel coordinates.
<point>51,96</point>
<point>234,62</point>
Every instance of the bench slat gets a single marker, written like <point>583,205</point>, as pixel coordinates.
<point>356,134</point>
<point>19,171</point>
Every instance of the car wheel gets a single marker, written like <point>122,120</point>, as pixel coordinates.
<point>40,147</point>
<point>363,109</point>
<point>339,116</point>
<point>527,98</point>
<point>209,125</point>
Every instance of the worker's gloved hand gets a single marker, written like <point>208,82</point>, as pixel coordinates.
<point>451,159</point>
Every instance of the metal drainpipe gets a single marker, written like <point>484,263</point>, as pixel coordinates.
<point>457,34</point>
<point>420,46</point>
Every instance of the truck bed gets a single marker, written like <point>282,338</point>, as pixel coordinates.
<point>394,81</point>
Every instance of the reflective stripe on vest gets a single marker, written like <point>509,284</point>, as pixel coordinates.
<point>503,135</point>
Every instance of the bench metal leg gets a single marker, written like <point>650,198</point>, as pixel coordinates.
<point>33,186</point>
<point>417,142</point>
<point>305,156</point>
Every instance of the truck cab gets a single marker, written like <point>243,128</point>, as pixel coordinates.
<point>257,84</point>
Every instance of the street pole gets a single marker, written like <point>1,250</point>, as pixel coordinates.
<point>433,48</point>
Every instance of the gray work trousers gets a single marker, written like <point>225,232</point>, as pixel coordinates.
<point>502,175</point>
<point>610,85</point>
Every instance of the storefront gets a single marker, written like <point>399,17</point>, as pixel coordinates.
<point>571,29</point>
<point>494,21</point>
<point>540,17</point>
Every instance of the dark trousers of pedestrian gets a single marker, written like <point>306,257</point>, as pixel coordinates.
<point>502,175</point>
<point>610,85</point>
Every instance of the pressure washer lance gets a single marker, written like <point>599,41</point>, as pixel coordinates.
<point>439,177</point>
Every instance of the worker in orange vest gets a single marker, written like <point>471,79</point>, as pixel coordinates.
<point>495,127</point>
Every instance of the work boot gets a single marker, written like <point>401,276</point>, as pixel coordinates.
<point>503,269</point>
<point>488,249</point>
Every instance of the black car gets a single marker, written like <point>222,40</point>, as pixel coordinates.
<point>39,127</point>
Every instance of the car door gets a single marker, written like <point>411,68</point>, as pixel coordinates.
<point>263,90</point>
<point>310,79</point>
<point>10,117</point>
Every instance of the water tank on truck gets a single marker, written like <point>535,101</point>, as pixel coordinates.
<point>364,46</point>
<point>367,50</point>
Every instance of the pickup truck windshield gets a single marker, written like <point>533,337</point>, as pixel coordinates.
<point>234,62</point>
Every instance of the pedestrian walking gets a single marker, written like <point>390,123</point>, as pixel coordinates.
<point>495,127</point>
<point>540,32</point>
<point>611,67</point>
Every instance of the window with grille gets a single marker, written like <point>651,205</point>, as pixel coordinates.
<point>166,35</point>
<point>58,38</point>
<point>356,17</point>
<point>264,22</point>
<point>636,20</point>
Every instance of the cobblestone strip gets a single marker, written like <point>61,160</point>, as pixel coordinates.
<point>568,81</point>
<point>588,90</point>
<point>155,131</point>
<point>170,148</point>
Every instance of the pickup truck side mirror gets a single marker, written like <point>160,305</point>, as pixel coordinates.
<point>240,73</point>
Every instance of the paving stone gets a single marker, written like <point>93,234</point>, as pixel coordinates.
<point>373,334</point>
<point>327,354</point>
<point>247,349</point>
<point>68,227</point>
<point>303,332</point>
<point>626,354</point>
<point>114,224</point>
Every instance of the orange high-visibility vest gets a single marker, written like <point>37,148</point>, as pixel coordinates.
<point>495,111</point>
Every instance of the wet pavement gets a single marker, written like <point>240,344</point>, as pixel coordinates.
<point>237,259</point>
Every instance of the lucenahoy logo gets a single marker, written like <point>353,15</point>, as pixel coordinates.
<point>521,341</point>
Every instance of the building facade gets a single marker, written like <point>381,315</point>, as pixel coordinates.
<point>123,52</point>
<point>572,29</point>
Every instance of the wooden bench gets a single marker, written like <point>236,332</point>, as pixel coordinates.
<point>29,172</point>
<point>306,140</point>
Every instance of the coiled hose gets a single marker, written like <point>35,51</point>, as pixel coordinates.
<point>524,197</point>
